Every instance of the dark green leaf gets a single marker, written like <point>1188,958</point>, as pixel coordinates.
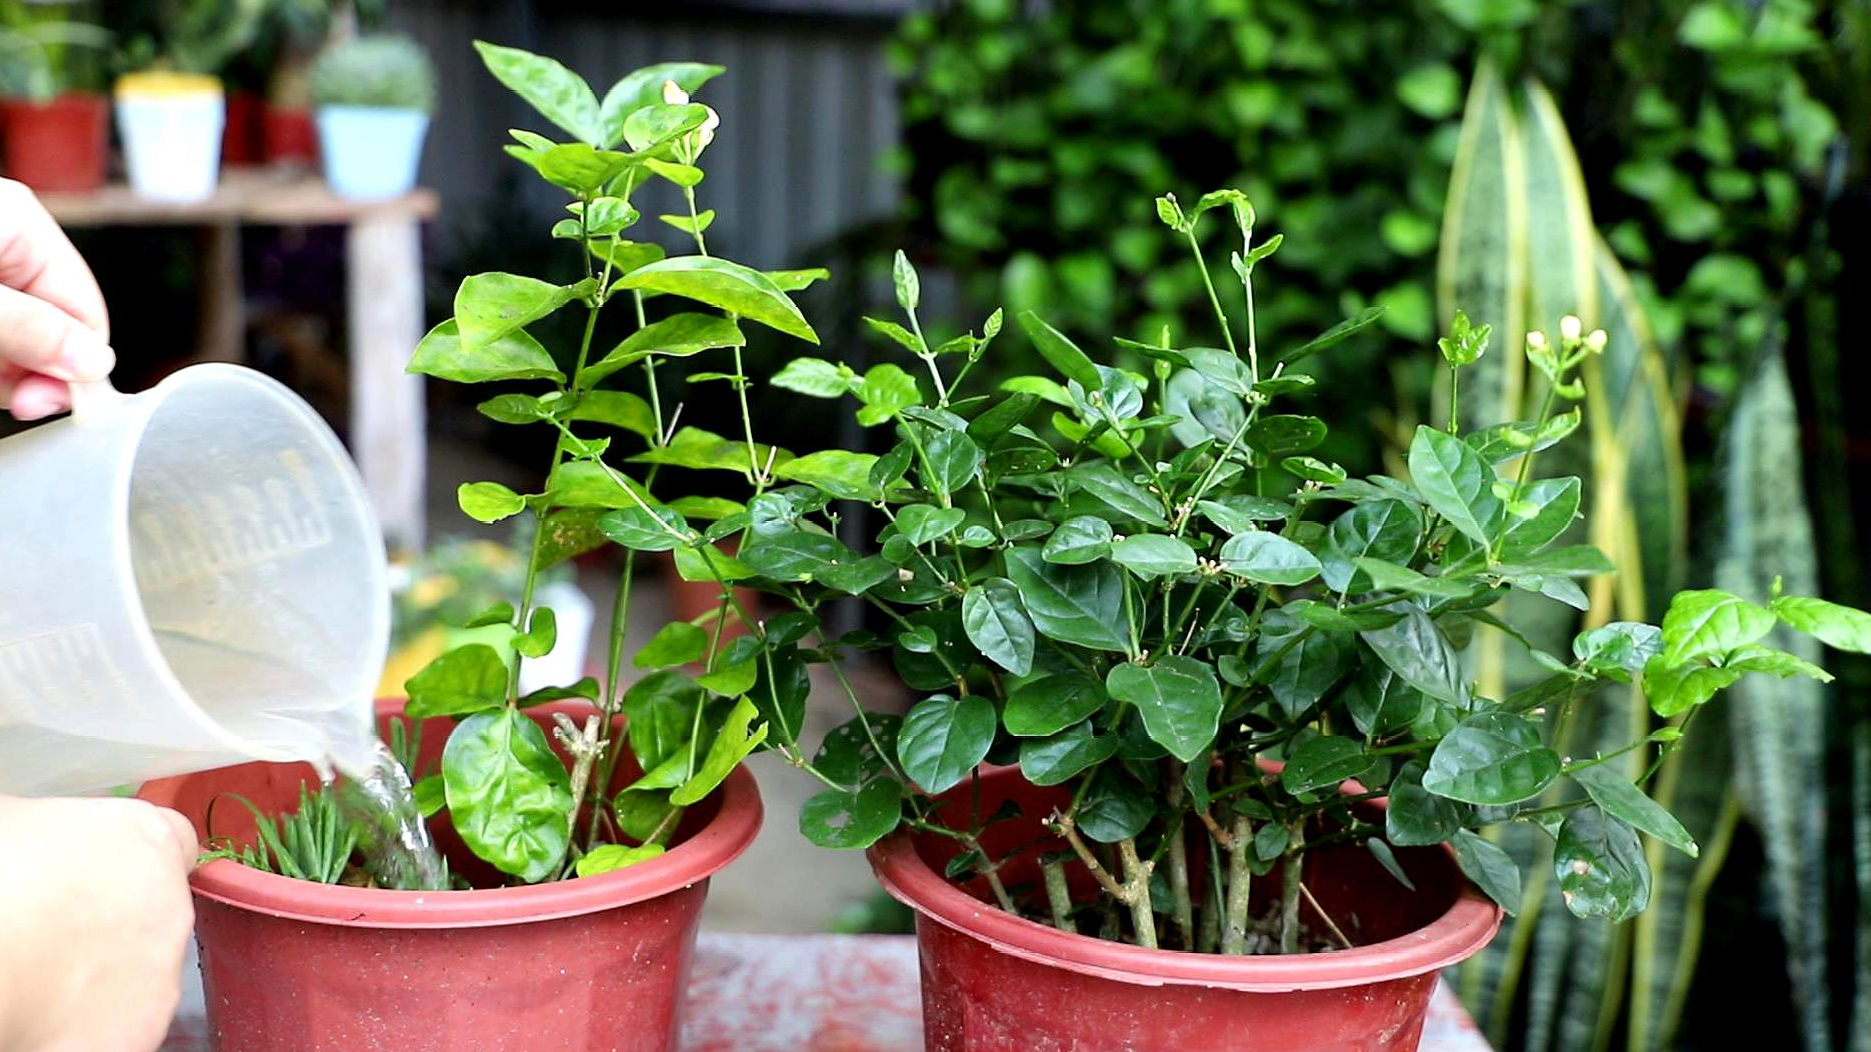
<point>1268,558</point>
<point>1324,762</point>
<point>1491,758</point>
<point>1457,483</point>
<point>1052,760</point>
<point>953,460</point>
<point>1417,650</point>
<point>1620,798</point>
<point>848,753</point>
<point>1492,869</point>
<point>1378,529</point>
<point>1072,604</point>
<point>1114,808</point>
<point>1151,555</point>
<point>846,821</point>
<point>1333,336</point>
<point>1051,704</point>
<point>1416,817</point>
<point>1601,866</point>
<point>1178,697</point>
<point>1080,539</point>
<point>1062,354</point>
<point>943,739</point>
<point>998,626</point>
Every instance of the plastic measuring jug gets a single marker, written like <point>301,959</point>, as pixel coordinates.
<point>194,579</point>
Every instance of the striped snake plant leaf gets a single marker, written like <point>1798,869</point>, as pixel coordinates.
<point>1482,266</point>
<point>1562,272</point>
<point>1779,725</point>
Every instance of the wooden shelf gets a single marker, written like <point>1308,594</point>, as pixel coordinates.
<point>250,196</point>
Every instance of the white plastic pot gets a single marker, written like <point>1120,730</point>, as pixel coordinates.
<point>370,151</point>
<point>171,125</point>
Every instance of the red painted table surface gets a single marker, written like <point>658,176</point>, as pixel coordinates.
<point>825,993</point>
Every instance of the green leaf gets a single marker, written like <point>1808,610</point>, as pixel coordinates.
<point>1080,539</point>
<point>1103,480</point>
<point>676,643</point>
<point>1050,704</point>
<point>515,356</point>
<point>1389,577</point>
<point>559,95</point>
<point>898,334</point>
<point>795,280</point>
<point>1576,560</point>
<point>429,795</point>
<point>994,422</point>
<point>586,688</point>
<point>577,167</point>
<point>651,126</point>
<point>849,753</point>
<point>1335,335</point>
<point>541,633</point>
<point>677,336</point>
<point>586,484</point>
<point>1491,758</point>
<point>908,288</point>
<point>816,377</point>
<point>1620,798</point>
<point>921,523</point>
<point>618,409</point>
<point>1709,623</point>
<point>1178,697</point>
<point>953,460</point>
<point>1456,482</point>
<point>1114,808</point>
<point>796,555</point>
<point>1331,619</point>
<point>1675,689</point>
<point>1280,435</point>
<point>1268,558</point>
<point>886,390</point>
<point>1241,514</point>
<point>625,256</point>
<point>641,531</point>
<point>488,501</point>
<point>660,709</point>
<point>686,176</point>
<point>998,626</point>
<point>732,744</point>
<point>1416,649</point>
<point>1601,867</point>
<point>1415,817</point>
<point>943,739</point>
<point>509,797</point>
<point>607,857</point>
<point>1324,762</point>
<point>845,821</point>
<point>644,87</point>
<point>719,283</point>
<point>692,447</point>
<point>1052,760</point>
<point>467,679</point>
<point>692,225</point>
<point>1556,505</point>
<point>1151,555</point>
<point>1620,645</point>
<point>1060,353</point>
<point>489,307</point>
<point>1492,869</point>
<point>1839,627</point>
<point>499,614</point>
<point>836,472</point>
<point>1072,604</point>
<point>514,409</point>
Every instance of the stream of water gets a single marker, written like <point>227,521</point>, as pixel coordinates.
<point>378,798</point>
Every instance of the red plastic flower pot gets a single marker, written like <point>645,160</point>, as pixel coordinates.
<point>596,963</point>
<point>288,135</point>
<point>240,141</point>
<point>994,982</point>
<point>58,145</point>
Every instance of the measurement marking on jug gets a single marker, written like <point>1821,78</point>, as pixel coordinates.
<point>233,527</point>
<point>66,668</point>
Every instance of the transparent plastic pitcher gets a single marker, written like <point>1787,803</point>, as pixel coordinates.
<point>194,578</point>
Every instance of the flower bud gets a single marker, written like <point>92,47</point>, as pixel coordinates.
<point>1570,327</point>
<point>1596,340</point>
<point>673,93</point>
<point>1536,340</point>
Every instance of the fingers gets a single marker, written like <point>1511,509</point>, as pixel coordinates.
<point>36,258</point>
<point>184,834</point>
<point>38,337</point>
<point>35,397</point>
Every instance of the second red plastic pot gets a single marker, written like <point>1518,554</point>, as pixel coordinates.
<point>597,963</point>
<point>995,982</point>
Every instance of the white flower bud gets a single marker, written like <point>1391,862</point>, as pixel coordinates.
<point>1536,340</point>
<point>1570,327</point>
<point>673,93</point>
<point>1596,340</point>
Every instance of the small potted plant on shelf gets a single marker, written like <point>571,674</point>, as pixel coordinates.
<point>1234,770</point>
<point>53,117</point>
<point>172,110</point>
<point>586,841</point>
<point>372,96</point>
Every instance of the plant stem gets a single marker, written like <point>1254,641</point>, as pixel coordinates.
<point>1455,400</point>
<point>1058,895</point>
<point>1240,886</point>
<point>1137,887</point>
<point>1320,910</point>
<point>1065,827</point>
<point>1208,939</point>
<point>1179,861</point>
<point>1209,283</point>
<point>1290,887</point>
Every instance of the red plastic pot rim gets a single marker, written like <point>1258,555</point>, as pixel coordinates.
<point>1461,932</point>
<point>710,849</point>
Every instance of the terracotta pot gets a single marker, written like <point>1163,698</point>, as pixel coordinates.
<point>575,966</point>
<point>993,982</point>
<point>58,145</point>
<point>289,135</point>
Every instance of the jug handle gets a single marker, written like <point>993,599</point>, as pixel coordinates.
<point>93,400</point>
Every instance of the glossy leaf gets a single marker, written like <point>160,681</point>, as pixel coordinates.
<point>1060,353</point>
<point>1050,704</point>
<point>943,739</point>
<point>1080,539</point>
<point>998,626</point>
<point>1491,758</point>
<point>1378,529</point>
<point>515,356</point>
<point>509,797</point>
<point>1456,482</point>
<point>1072,604</point>
<point>489,307</point>
<point>1416,650</point>
<point>1601,867</point>
<point>1114,808</point>
<point>1150,555</point>
<point>732,743</point>
<point>676,643</point>
<point>488,501</point>
<point>720,283</point>
<point>1178,697</point>
<point>1268,558</point>
<point>468,679</point>
<point>1055,759</point>
<point>677,336</point>
<point>644,87</point>
<point>1620,798</point>
<point>559,95</point>
<point>847,821</point>
<point>1324,762</point>
<point>1492,869</point>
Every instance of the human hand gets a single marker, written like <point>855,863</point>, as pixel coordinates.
<point>96,917</point>
<point>53,327</point>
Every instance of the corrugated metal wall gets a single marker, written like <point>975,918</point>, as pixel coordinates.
<point>807,107</point>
